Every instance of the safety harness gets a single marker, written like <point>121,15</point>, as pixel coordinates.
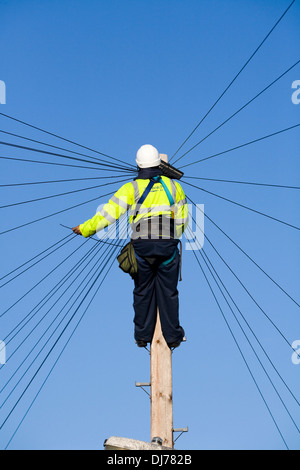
<point>155,179</point>
<point>127,258</point>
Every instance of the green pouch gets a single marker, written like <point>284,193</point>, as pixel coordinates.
<point>127,260</point>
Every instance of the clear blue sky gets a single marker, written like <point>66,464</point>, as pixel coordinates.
<point>114,75</point>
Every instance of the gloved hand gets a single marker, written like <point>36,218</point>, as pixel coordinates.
<point>77,230</point>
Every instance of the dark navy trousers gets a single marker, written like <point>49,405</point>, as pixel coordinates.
<point>156,287</point>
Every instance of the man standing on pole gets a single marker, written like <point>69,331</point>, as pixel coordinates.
<point>158,218</point>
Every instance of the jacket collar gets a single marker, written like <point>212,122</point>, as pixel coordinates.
<point>148,173</point>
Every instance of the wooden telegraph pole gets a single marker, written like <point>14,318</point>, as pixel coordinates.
<point>161,388</point>
<point>161,384</point>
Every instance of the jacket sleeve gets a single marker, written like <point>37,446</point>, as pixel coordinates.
<point>181,211</point>
<point>116,206</point>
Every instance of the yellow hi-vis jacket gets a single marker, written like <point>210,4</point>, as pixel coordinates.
<point>156,204</point>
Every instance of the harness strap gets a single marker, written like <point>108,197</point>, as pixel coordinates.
<point>168,261</point>
<point>143,197</point>
<point>165,263</point>
<point>156,179</point>
<point>180,262</point>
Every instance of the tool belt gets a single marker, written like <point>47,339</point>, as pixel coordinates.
<point>154,227</point>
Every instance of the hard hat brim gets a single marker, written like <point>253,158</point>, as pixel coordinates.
<point>148,164</point>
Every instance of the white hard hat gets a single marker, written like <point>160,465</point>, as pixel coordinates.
<point>147,156</point>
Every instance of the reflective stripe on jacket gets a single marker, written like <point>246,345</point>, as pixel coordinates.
<point>156,204</point>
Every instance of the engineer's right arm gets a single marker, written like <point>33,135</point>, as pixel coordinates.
<point>110,213</point>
